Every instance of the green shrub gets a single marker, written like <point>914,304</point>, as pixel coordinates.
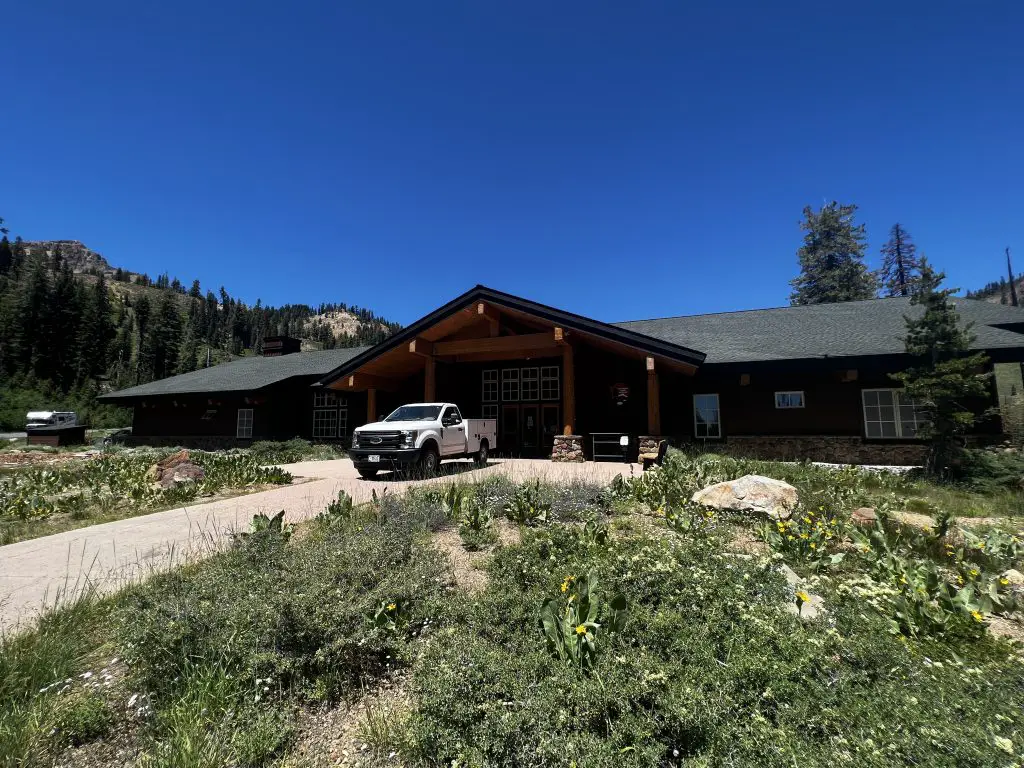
<point>475,525</point>
<point>291,451</point>
<point>81,716</point>
<point>809,536</point>
<point>526,507</point>
<point>989,471</point>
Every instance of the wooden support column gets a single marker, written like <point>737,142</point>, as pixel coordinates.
<point>429,380</point>
<point>568,390</point>
<point>653,400</point>
<point>371,405</point>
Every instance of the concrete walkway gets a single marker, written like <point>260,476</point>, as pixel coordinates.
<point>43,571</point>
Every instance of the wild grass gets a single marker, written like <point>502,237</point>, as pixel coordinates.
<point>680,653</point>
<point>41,500</point>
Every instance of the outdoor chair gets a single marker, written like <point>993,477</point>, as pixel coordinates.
<point>650,459</point>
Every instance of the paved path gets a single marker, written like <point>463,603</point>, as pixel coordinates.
<point>42,571</point>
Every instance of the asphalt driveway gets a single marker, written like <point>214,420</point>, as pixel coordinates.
<point>43,571</point>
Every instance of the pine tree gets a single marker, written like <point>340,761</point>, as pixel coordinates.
<point>945,376</point>
<point>831,259</point>
<point>6,255</point>
<point>95,332</point>
<point>901,268</point>
<point>189,350</point>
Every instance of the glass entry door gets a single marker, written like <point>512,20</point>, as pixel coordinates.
<point>530,434</point>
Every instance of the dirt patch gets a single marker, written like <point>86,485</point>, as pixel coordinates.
<point>468,567</point>
<point>743,540</point>
<point>1010,628</point>
<point>359,733</point>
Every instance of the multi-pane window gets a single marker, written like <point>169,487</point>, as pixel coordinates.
<point>325,399</point>
<point>490,411</point>
<point>789,400</point>
<point>888,413</point>
<point>325,422</point>
<point>531,383</point>
<point>244,424</point>
<point>549,389</point>
<point>707,418</point>
<point>330,415</point>
<point>510,384</point>
<point>490,387</point>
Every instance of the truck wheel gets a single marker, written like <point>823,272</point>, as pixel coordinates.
<point>367,474</point>
<point>480,459</point>
<point>429,461</point>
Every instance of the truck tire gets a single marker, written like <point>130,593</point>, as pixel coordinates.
<point>367,474</point>
<point>429,460</point>
<point>480,457</point>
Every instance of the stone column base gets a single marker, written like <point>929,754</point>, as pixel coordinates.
<point>648,443</point>
<point>567,448</point>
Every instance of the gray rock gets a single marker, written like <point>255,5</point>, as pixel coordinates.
<point>751,493</point>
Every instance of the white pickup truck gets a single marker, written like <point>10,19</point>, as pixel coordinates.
<point>419,436</point>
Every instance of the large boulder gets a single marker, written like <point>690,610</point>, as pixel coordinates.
<point>181,473</point>
<point>751,493</point>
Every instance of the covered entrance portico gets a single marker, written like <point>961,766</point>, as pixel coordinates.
<point>538,371</point>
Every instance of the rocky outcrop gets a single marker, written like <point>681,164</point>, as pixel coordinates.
<point>751,493</point>
<point>864,517</point>
<point>174,470</point>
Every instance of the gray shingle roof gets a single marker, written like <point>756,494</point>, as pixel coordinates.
<point>873,327</point>
<point>244,375</point>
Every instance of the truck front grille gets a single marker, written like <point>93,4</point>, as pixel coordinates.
<point>382,440</point>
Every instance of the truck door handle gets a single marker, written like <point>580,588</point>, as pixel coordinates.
<point>458,429</point>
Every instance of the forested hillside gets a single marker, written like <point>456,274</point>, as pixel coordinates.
<point>999,291</point>
<point>71,327</point>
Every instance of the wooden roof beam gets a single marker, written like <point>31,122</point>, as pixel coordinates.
<point>492,316</point>
<point>361,381</point>
<point>524,343</point>
<point>421,347</point>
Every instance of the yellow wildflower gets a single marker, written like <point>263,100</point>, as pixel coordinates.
<point>391,606</point>
<point>1004,582</point>
<point>581,630</point>
<point>977,616</point>
<point>813,545</point>
<point>803,597</point>
<point>975,571</point>
<point>804,536</point>
<point>807,520</point>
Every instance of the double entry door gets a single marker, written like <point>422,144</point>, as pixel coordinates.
<point>526,402</point>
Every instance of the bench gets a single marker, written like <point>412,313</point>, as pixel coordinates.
<point>650,459</point>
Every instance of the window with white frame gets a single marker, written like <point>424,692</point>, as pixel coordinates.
<point>549,385</point>
<point>490,411</point>
<point>325,399</point>
<point>244,425</point>
<point>792,399</point>
<point>330,415</point>
<point>531,383</point>
<point>325,422</point>
<point>890,414</point>
<point>490,387</point>
<point>510,385</point>
<point>707,418</point>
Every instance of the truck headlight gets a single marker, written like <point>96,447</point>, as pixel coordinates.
<point>355,439</point>
<point>408,438</point>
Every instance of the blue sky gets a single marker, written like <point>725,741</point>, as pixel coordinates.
<point>621,160</point>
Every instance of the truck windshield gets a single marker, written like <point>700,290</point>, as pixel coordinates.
<point>415,413</point>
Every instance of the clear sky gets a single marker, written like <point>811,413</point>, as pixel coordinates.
<point>618,159</point>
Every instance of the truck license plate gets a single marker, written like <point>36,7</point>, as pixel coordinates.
<point>373,458</point>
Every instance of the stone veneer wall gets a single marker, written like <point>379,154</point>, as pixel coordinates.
<point>838,450</point>
<point>567,448</point>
